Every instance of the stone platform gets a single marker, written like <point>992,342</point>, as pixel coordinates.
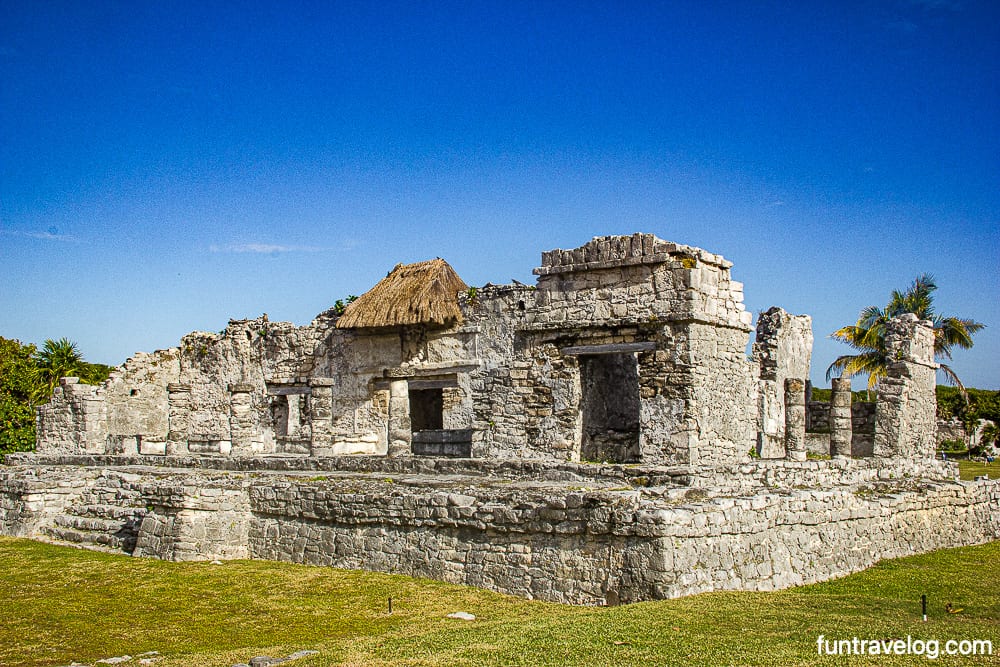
<point>565,532</point>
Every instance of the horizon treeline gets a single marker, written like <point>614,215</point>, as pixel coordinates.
<point>28,376</point>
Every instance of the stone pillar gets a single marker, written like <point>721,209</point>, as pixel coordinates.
<point>178,417</point>
<point>841,428</point>
<point>905,415</point>
<point>400,428</point>
<point>321,416</point>
<point>795,419</point>
<point>294,417</point>
<point>241,419</point>
<point>782,349</point>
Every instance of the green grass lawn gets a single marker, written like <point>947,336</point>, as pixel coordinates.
<point>60,604</point>
<point>969,470</point>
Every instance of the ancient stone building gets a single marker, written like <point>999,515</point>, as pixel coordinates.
<point>599,437</point>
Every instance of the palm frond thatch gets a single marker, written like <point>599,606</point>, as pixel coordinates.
<point>422,293</point>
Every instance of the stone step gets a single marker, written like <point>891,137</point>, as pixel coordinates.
<point>96,524</point>
<point>93,540</point>
<point>110,497</point>
<point>102,511</point>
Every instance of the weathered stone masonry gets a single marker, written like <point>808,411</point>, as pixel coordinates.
<point>600,437</point>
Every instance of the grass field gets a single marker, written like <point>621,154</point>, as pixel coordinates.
<point>60,604</point>
<point>969,470</point>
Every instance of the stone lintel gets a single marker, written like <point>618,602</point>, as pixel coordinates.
<point>440,368</point>
<point>322,382</point>
<point>297,380</point>
<point>241,388</point>
<point>421,383</point>
<point>288,391</point>
<point>612,348</point>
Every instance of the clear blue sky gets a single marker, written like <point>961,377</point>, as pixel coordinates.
<point>166,166</point>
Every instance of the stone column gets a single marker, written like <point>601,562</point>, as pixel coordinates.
<point>782,349</point>
<point>795,419</point>
<point>905,415</point>
<point>321,416</point>
<point>841,428</point>
<point>241,418</point>
<point>400,428</point>
<point>178,417</point>
<point>293,417</point>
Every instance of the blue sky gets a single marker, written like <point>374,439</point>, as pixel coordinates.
<point>167,166</point>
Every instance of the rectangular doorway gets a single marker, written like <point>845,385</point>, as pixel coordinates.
<point>426,410</point>
<point>609,403</point>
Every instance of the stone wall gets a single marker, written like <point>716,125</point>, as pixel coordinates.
<point>571,547</point>
<point>631,279</point>
<point>951,429</point>
<point>536,535</point>
<point>138,402</point>
<point>75,419</point>
<point>818,427</point>
<point>32,497</point>
<point>194,517</point>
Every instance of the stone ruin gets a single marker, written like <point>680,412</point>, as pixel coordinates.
<point>601,437</point>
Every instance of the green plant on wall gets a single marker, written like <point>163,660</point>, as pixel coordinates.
<point>340,305</point>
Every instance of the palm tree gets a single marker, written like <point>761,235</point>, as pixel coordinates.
<point>59,358</point>
<point>990,435</point>
<point>867,336</point>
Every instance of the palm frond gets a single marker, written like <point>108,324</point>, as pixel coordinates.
<point>952,378</point>
<point>867,336</point>
<point>849,365</point>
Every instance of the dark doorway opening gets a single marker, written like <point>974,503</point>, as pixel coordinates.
<point>426,410</point>
<point>610,407</point>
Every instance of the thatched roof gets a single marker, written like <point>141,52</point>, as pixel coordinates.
<point>422,293</point>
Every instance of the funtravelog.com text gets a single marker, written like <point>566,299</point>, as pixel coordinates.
<point>929,648</point>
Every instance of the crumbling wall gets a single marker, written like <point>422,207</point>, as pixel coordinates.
<point>524,393</point>
<point>951,429</point>
<point>906,411</point>
<point>351,363</point>
<point>782,349</point>
<point>138,402</point>
<point>229,408</point>
<point>74,421</point>
<point>723,395</point>
<point>510,373</point>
